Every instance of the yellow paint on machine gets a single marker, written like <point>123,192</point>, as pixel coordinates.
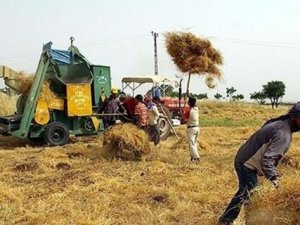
<point>96,122</point>
<point>56,103</point>
<point>79,99</point>
<point>42,115</point>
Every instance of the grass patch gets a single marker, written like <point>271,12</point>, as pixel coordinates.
<point>229,122</point>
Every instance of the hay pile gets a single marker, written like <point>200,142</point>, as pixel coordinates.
<point>276,207</point>
<point>128,141</point>
<point>194,55</point>
<point>7,104</point>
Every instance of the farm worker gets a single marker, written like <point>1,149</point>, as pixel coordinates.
<point>129,104</point>
<point>110,106</point>
<point>260,155</point>
<point>141,112</point>
<point>192,118</point>
<point>153,115</point>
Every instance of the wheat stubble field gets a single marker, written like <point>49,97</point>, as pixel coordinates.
<point>77,184</point>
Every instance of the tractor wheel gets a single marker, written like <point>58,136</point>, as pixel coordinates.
<point>164,125</point>
<point>56,133</point>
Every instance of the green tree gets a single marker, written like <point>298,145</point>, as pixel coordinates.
<point>218,96</point>
<point>230,92</point>
<point>260,97</point>
<point>274,90</point>
<point>199,96</point>
<point>168,90</point>
<point>202,96</point>
<point>238,97</point>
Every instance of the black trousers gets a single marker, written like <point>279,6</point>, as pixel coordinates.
<point>247,182</point>
<point>154,134</point>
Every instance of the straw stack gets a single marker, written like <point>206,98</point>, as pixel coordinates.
<point>128,141</point>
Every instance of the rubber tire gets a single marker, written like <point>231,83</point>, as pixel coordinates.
<point>61,130</point>
<point>163,124</point>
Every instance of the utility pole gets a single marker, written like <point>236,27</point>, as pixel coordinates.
<point>155,36</point>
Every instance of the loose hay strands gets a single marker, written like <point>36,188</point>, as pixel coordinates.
<point>276,206</point>
<point>47,93</point>
<point>26,82</point>
<point>194,55</point>
<point>182,143</point>
<point>127,139</point>
<point>7,104</point>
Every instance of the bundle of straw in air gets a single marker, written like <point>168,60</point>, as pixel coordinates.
<point>128,141</point>
<point>194,55</point>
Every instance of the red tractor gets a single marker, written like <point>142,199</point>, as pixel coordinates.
<point>173,108</point>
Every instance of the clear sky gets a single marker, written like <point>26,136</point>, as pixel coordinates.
<point>260,40</point>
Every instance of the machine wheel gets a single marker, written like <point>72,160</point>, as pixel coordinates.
<point>56,133</point>
<point>164,125</point>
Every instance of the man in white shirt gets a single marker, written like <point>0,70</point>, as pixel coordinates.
<point>193,130</point>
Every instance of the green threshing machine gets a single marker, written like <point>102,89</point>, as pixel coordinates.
<point>63,97</point>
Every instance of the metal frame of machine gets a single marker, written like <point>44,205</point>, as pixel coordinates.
<point>135,82</point>
<point>77,85</point>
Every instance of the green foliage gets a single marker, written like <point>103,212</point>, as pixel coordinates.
<point>230,92</point>
<point>238,97</point>
<point>169,90</point>
<point>207,121</point>
<point>174,94</point>
<point>274,90</point>
<point>218,96</point>
<point>260,97</point>
<point>199,96</point>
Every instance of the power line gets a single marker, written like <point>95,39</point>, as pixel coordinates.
<point>112,40</point>
<point>258,43</point>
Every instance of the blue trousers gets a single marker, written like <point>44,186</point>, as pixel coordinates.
<point>247,182</point>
